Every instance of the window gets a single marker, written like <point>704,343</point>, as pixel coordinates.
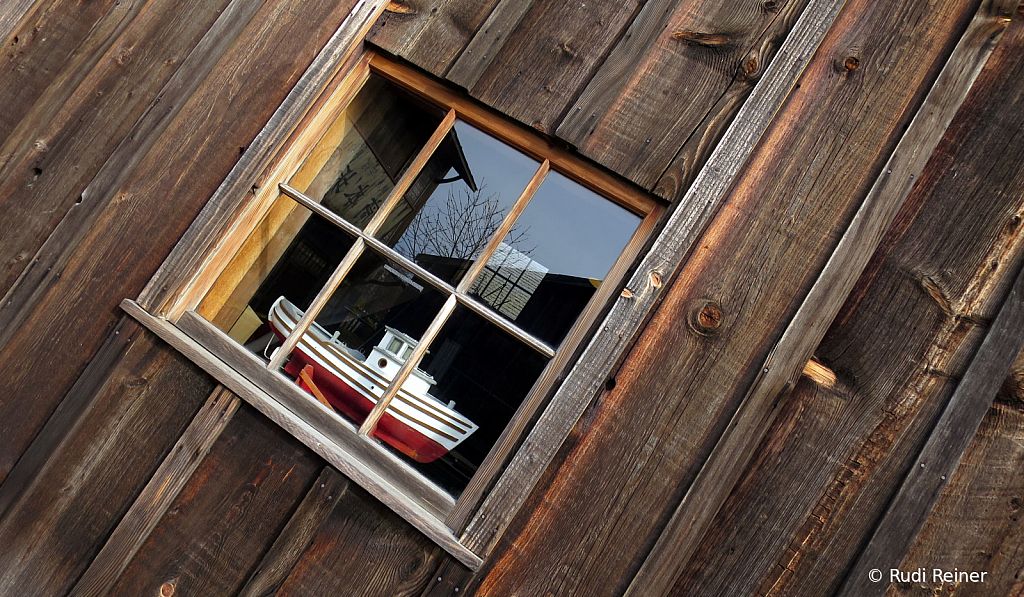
<point>410,282</point>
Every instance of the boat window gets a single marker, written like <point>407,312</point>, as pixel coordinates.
<point>413,232</point>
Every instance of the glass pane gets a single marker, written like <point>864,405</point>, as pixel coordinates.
<point>357,162</point>
<point>359,341</point>
<point>481,375</point>
<point>291,253</point>
<point>547,269</point>
<point>458,201</point>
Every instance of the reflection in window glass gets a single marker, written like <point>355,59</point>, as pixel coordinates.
<point>484,374</point>
<point>542,278</point>
<point>292,253</point>
<point>357,162</point>
<point>458,201</point>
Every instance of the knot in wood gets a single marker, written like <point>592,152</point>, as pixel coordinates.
<point>167,589</point>
<point>706,317</point>
<point>770,5</point>
<point>852,63</point>
<point>700,38</point>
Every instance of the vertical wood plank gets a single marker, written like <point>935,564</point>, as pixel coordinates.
<point>710,489</point>
<point>980,507</point>
<point>679,386</point>
<point>363,549</point>
<point>675,62</point>
<point>944,268</point>
<point>135,414</point>
<point>95,121</point>
<point>929,473</point>
<point>227,516</point>
<point>430,33</point>
<point>549,54</point>
<point>147,214</point>
<point>163,487</point>
<point>293,541</point>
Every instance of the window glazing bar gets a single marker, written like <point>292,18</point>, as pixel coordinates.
<point>318,303</point>
<point>506,225</point>
<point>411,173</point>
<point>411,362</point>
<point>381,248</point>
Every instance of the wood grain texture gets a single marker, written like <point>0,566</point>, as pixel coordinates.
<point>658,84</point>
<point>790,354</point>
<point>696,150</point>
<point>629,313</point>
<point>217,219</point>
<point>96,119</point>
<point>430,33</point>
<point>13,14</point>
<point>677,390</point>
<point>549,54</point>
<point>939,458</point>
<point>48,54</point>
<point>134,416</point>
<point>163,487</point>
<point>293,541</point>
<point>363,549</point>
<point>146,215</point>
<point>945,266</point>
<point>979,508</point>
<point>227,515</point>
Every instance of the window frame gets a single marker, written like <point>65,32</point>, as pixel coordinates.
<point>167,306</point>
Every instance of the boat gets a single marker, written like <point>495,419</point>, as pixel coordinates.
<point>415,423</point>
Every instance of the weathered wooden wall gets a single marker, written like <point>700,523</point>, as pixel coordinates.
<point>125,471</point>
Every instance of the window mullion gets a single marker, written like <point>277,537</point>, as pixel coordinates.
<point>473,304</point>
<point>318,303</point>
<point>407,367</point>
<point>506,226</point>
<point>411,173</point>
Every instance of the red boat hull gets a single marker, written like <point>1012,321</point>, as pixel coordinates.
<point>356,406</point>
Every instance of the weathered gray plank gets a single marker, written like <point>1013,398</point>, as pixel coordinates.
<point>731,455</point>
<point>928,476</point>
<point>227,516</point>
<point>628,314</point>
<point>78,146</point>
<point>545,60</point>
<point>429,33</point>
<point>293,541</point>
<point>160,491</point>
<point>150,211</point>
<point>976,525</point>
<point>134,416</point>
<point>363,549</point>
<point>674,63</point>
<point>647,437</point>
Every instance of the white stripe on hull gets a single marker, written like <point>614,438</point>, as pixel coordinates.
<point>423,413</point>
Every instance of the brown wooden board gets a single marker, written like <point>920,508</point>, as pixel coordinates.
<point>678,387</point>
<point>90,478</point>
<point>955,282</point>
<point>96,119</point>
<point>976,525</point>
<point>289,546</point>
<point>677,59</point>
<point>49,53</point>
<point>546,59</point>
<point>364,549</point>
<point>430,33</point>
<point>227,515</point>
<point>159,493</point>
<point>840,452</point>
<point>146,215</point>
